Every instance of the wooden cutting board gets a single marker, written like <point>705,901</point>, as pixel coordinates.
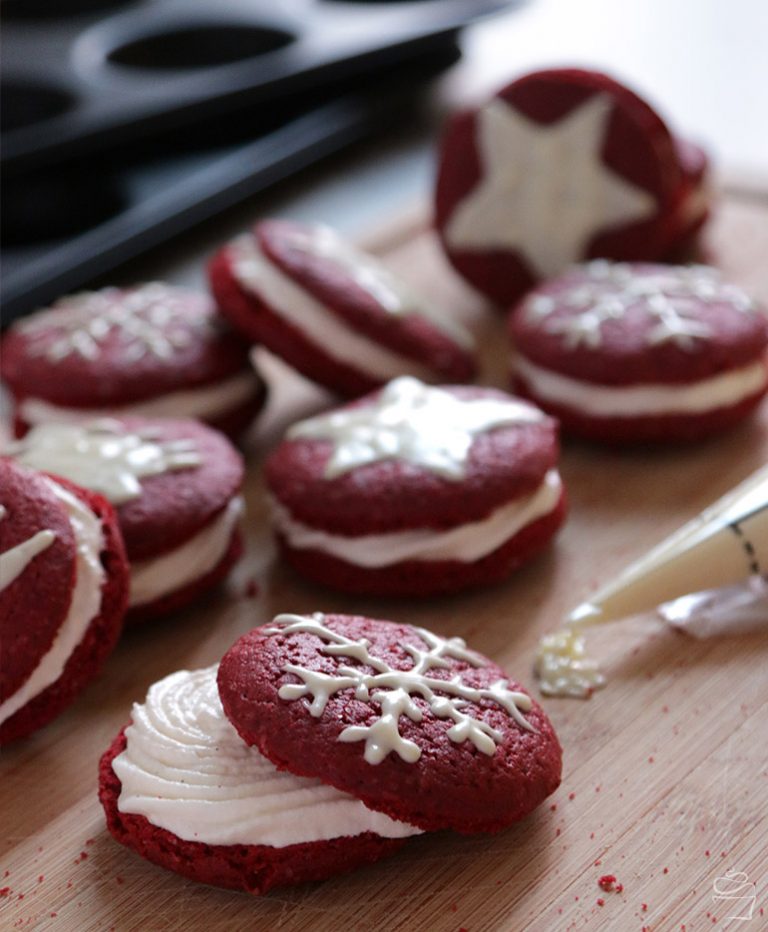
<point>666,771</point>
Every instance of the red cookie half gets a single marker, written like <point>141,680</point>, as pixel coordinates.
<point>176,487</point>
<point>150,350</point>
<point>559,166</point>
<point>334,313</point>
<point>63,594</point>
<point>415,725</point>
<point>628,352</point>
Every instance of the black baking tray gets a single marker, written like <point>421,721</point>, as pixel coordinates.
<point>64,228</point>
<point>79,75</point>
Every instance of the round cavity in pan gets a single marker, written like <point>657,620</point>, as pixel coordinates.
<point>27,102</point>
<point>56,9</point>
<point>198,46</point>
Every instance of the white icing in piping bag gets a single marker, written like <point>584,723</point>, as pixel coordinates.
<point>725,546</point>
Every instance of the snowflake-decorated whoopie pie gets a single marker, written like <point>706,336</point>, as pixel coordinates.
<point>627,352</point>
<point>558,167</point>
<point>414,490</point>
<point>333,312</point>
<point>149,351</point>
<point>181,788</point>
<point>176,487</point>
<point>415,725</point>
<point>63,592</point>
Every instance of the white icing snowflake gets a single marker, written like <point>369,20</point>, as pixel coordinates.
<point>411,421</point>
<point>670,297</point>
<point>153,318</point>
<point>103,456</point>
<point>392,690</point>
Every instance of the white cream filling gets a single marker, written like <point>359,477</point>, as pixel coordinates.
<point>466,543</point>
<point>156,577</point>
<point>207,402</point>
<point>719,391</point>
<point>326,330</point>
<point>83,608</point>
<point>187,770</point>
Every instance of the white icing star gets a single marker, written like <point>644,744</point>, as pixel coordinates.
<point>411,421</point>
<point>103,456</point>
<point>391,689</point>
<point>13,562</point>
<point>545,190</point>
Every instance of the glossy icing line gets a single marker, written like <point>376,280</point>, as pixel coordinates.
<point>466,542</point>
<point>83,607</point>
<point>104,456</point>
<point>412,422</point>
<point>13,562</point>
<point>186,770</point>
<point>391,689</point>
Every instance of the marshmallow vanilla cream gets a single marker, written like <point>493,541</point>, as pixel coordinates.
<point>719,391</point>
<point>465,543</point>
<point>151,579</point>
<point>186,770</point>
<point>206,403</point>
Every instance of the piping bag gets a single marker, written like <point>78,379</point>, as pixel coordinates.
<point>709,578</point>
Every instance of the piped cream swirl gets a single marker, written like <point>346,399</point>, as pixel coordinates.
<point>187,770</point>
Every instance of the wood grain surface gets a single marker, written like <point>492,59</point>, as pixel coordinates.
<point>665,783</point>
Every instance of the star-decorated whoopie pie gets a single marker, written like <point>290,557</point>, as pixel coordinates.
<point>330,739</point>
<point>176,487</point>
<point>624,352</point>
<point>695,202</point>
<point>333,312</point>
<point>414,490</point>
<point>558,167</point>
<point>415,725</point>
<point>63,592</point>
<point>181,788</point>
<point>149,351</point>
